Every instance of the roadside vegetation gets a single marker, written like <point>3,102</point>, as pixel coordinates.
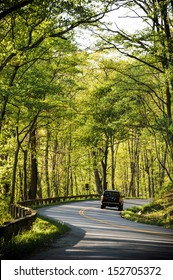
<point>159,212</point>
<point>42,233</point>
<point>4,215</point>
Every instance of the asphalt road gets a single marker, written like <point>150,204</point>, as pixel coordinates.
<point>101,234</point>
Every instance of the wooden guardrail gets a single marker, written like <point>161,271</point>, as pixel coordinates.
<point>23,219</point>
<point>45,201</point>
<point>24,216</point>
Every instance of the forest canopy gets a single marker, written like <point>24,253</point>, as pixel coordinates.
<point>100,114</point>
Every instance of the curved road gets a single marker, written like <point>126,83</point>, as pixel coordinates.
<point>102,234</point>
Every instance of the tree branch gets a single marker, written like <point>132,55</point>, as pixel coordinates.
<point>15,8</point>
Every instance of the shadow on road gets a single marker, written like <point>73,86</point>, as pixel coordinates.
<point>77,245</point>
<point>58,248</point>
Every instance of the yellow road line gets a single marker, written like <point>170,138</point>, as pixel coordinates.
<point>82,213</point>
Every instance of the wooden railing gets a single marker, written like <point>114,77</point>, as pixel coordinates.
<point>45,201</point>
<point>24,216</point>
<point>23,220</point>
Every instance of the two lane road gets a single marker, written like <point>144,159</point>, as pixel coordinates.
<point>102,234</point>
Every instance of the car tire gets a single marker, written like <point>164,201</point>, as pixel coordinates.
<point>120,208</point>
<point>102,206</point>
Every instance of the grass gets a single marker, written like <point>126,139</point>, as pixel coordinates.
<point>42,233</point>
<point>159,212</point>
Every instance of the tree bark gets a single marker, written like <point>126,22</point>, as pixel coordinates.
<point>34,171</point>
<point>5,102</point>
<point>133,146</point>
<point>13,184</point>
<point>54,168</point>
<point>112,164</point>
<point>96,174</point>
<point>104,166</point>
<point>47,163</point>
<point>25,153</point>
<point>114,151</point>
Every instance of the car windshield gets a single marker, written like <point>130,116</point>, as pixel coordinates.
<point>111,194</point>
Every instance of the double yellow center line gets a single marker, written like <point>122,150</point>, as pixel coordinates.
<point>82,212</point>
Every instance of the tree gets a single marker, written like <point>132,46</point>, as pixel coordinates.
<point>151,46</point>
<point>26,25</point>
<point>70,117</point>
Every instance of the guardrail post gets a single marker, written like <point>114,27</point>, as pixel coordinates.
<point>12,210</point>
<point>15,212</point>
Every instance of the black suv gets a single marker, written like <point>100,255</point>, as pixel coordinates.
<point>112,198</point>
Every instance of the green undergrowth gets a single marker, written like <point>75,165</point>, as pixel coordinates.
<point>159,212</point>
<point>42,233</point>
<point>4,215</point>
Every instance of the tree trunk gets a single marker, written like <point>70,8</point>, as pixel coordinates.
<point>96,174</point>
<point>104,166</point>
<point>13,184</point>
<point>47,163</point>
<point>132,190</point>
<point>34,172</point>
<point>162,170</point>
<point>133,146</point>
<point>54,168</point>
<point>114,151</point>
<point>147,170</point>
<point>112,164</point>
<point>3,111</point>
<point>4,105</point>
<point>25,153</point>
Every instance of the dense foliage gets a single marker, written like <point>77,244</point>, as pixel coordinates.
<point>71,117</point>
